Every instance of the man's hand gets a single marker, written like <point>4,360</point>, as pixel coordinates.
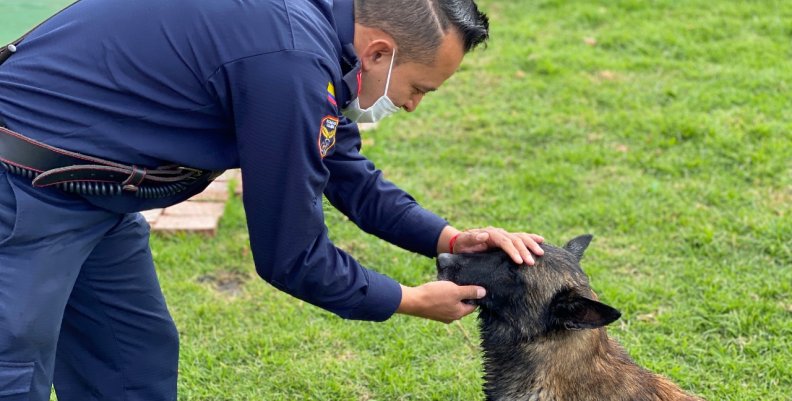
<point>517,245</point>
<point>439,300</point>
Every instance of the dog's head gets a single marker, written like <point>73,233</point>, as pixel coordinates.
<point>530,301</point>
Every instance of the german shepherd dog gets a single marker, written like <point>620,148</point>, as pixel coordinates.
<point>542,331</point>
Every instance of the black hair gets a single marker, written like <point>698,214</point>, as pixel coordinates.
<point>418,26</point>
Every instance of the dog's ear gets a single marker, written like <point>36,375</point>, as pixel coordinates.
<point>578,245</point>
<point>572,311</point>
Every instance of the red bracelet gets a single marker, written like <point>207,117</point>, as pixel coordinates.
<point>451,243</point>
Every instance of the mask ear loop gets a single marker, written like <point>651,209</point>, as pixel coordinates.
<point>390,69</point>
<point>359,81</point>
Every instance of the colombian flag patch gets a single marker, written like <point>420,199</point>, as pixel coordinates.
<point>331,94</point>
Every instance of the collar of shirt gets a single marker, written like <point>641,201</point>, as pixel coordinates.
<point>344,15</point>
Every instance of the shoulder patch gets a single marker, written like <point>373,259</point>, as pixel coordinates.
<point>327,135</point>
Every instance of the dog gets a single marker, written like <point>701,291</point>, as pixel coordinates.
<point>543,331</point>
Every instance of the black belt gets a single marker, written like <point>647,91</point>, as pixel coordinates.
<point>49,166</point>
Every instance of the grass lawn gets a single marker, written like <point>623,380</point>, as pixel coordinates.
<point>662,127</point>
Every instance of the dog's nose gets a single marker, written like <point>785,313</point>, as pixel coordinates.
<point>444,260</point>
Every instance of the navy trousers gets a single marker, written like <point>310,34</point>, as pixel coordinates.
<point>80,303</point>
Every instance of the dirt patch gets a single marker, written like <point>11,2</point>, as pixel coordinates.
<point>227,282</point>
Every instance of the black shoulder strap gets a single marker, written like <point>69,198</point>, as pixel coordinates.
<point>10,49</point>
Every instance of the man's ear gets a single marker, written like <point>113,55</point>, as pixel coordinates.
<point>578,245</point>
<point>572,311</point>
<point>378,50</point>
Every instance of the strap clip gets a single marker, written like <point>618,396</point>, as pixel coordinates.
<point>132,183</point>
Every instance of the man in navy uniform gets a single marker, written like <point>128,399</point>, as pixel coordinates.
<point>112,107</point>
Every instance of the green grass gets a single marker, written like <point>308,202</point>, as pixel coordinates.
<point>670,140</point>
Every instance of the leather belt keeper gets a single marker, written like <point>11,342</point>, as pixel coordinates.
<point>52,166</point>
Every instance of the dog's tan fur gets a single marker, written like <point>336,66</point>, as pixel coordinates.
<point>590,366</point>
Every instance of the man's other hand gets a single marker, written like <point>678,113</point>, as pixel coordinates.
<point>439,300</point>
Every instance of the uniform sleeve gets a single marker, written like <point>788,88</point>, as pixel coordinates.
<point>377,206</point>
<point>279,104</point>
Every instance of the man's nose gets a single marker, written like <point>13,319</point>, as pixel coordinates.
<point>412,104</point>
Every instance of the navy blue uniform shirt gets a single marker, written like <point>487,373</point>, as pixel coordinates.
<point>212,84</point>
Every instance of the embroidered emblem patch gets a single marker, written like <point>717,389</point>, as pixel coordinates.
<point>327,135</point>
<point>331,94</point>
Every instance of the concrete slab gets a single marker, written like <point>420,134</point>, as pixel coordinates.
<point>201,224</point>
<point>238,187</point>
<point>217,191</point>
<point>151,216</point>
<point>228,175</point>
<point>192,208</point>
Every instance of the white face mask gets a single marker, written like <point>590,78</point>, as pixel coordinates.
<point>382,108</point>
